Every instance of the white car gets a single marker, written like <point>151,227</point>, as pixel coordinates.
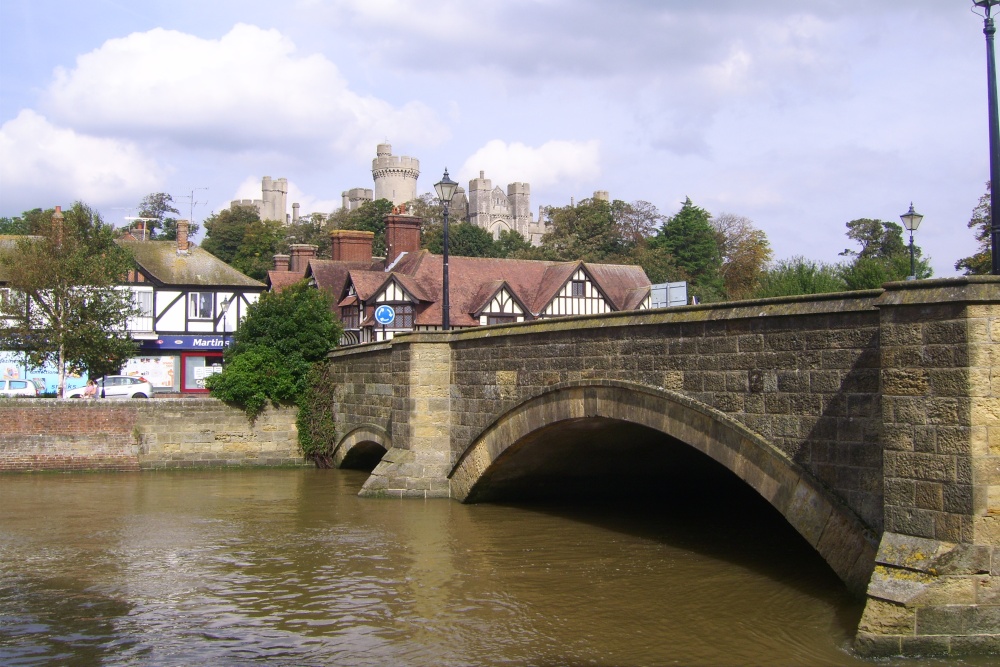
<point>18,388</point>
<point>117,386</point>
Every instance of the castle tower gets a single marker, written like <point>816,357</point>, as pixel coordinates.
<point>275,199</point>
<point>519,197</point>
<point>355,197</point>
<point>395,177</point>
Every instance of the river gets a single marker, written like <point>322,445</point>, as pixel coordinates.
<point>291,567</point>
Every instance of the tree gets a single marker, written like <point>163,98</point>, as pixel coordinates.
<point>159,206</point>
<point>798,275</point>
<point>224,231</point>
<point>511,244</point>
<point>586,231</point>
<point>745,253</point>
<point>981,263</point>
<point>312,230</point>
<point>635,222</point>
<point>464,240</point>
<point>369,217</point>
<point>883,257</point>
<point>64,306</point>
<point>28,223</point>
<point>689,237</point>
<point>283,334</point>
<point>261,242</point>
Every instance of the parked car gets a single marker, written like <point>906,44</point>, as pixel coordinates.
<point>117,386</point>
<point>18,388</point>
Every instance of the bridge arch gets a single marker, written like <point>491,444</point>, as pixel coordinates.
<point>362,448</point>
<point>839,536</point>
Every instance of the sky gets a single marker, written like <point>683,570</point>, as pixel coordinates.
<point>798,114</point>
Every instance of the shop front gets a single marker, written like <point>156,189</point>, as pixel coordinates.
<point>179,363</point>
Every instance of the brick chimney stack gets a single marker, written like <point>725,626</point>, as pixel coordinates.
<point>402,234</point>
<point>182,237</point>
<point>281,262</point>
<point>350,245</point>
<point>301,254</point>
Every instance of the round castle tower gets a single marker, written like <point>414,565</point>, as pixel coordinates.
<point>395,176</point>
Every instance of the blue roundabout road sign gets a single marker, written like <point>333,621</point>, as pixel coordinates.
<point>385,315</point>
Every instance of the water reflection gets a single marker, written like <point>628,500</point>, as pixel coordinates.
<point>291,567</point>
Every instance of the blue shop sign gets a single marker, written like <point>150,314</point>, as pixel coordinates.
<point>198,342</point>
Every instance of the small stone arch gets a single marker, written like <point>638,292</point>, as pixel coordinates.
<point>839,536</point>
<point>362,448</point>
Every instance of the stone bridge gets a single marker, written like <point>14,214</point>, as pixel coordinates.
<point>869,420</point>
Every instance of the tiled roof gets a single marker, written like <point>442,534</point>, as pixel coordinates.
<point>279,280</point>
<point>161,261</point>
<point>473,281</point>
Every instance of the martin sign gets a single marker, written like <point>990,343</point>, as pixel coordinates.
<point>188,343</point>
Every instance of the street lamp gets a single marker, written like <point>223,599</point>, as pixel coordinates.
<point>445,189</point>
<point>911,220</point>
<point>991,86</point>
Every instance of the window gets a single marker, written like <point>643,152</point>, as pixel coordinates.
<point>349,317</point>
<point>579,288</point>
<point>143,300</point>
<point>200,305</point>
<point>501,319</point>
<point>404,316</point>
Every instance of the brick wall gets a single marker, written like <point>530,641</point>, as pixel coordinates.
<point>46,434</point>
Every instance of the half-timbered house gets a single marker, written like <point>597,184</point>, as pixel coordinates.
<point>482,291</point>
<point>191,303</point>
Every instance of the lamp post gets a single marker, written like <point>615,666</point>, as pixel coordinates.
<point>445,189</point>
<point>911,220</point>
<point>991,86</point>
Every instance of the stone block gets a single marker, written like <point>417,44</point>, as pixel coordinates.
<point>886,618</point>
<point>925,646</point>
<point>944,620</point>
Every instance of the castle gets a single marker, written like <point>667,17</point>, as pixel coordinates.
<point>395,178</point>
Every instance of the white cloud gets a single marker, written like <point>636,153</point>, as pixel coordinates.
<point>45,165</point>
<point>249,90</point>
<point>552,163</point>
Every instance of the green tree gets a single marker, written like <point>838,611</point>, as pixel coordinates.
<point>312,230</point>
<point>511,244</point>
<point>283,334</point>
<point>798,275</point>
<point>689,237</point>
<point>586,231</point>
<point>159,206</point>
<point>980,263</point>
<point>261,241</point>
<point>29,222</point>
<point>224,231</point>
<point>464,240</point>
<point>745,254</point>
<point>883,256</point>
<point>65,307</point>
<point>369,217</point>
<point>658,264</point>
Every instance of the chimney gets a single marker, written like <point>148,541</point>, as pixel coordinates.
<point>402,234</point>
<point>295,213</point>
<point>182,237</point>
<point>349,245</point>
<point>281,262</point>
<point>301,254</point>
